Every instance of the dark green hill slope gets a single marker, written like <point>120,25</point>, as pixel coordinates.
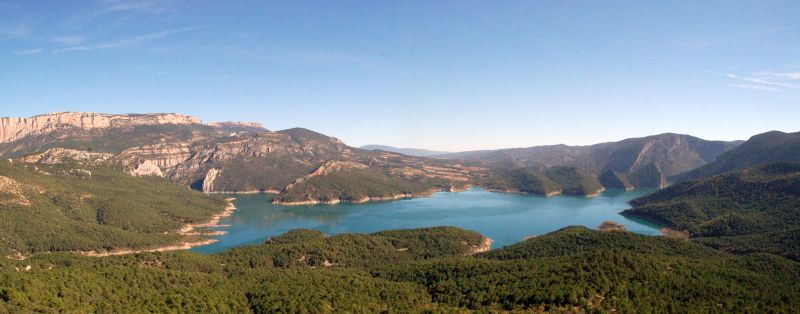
<point>767,147</point>
<point>550,181</point>
<point>336,182</point>
<point>577,269</point>
<point>751,210</point>
<point>412,271</point>
<point>73,207</point>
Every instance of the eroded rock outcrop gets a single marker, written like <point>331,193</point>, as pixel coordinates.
<point>55,156</point>
<point>208,182</point>
<point>147,168</point>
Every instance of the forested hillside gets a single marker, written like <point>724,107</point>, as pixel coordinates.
<point>751,210</point>
<point>767,147</point>
<point>551,181</point>
<point>411,271</point>
<point>78,207</point>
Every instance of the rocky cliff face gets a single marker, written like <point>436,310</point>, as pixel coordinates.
<point>15,128</point>
<point>217,157</point>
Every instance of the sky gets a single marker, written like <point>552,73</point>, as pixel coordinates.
<point>442,75</point>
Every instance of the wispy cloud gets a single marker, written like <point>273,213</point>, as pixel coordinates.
<point>766,80</point>
<point>115,13</point>
<point>127,42</point>
<point>111,6</point>
<point>756,87</point>
<point>69,40</point>
<point>131,41</point>
<point>788,75</point>
<point>28,51</point>
<point>71,49</point>
<point>13,31</point>
<point>302,57</point>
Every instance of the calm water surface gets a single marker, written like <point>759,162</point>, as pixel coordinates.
<point>506,218</point>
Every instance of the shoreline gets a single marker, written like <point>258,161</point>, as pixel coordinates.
<point>245,192</point>
<point>368,199</point>
<point>186,230</point>
<point>548,194</point>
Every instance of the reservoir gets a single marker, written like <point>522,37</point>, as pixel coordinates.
<point>506,218</point>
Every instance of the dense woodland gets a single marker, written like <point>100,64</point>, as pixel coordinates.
<point>353,185</point>
<point>422,270</point>
<point>75,207</point>
<point>751,210</point>
<point>554,180</point>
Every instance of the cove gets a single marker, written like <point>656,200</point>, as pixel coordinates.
<point>506,218</point>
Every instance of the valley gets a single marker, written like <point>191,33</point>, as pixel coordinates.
<point>102,199</point>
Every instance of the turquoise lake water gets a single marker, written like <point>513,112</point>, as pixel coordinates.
<point>506,218</point>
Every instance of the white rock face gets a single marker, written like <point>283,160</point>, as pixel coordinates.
<point>12,129</point>
<point>208,182</point>
<point>165,156</point>
<point>147,168</point>
<point>55,156</point>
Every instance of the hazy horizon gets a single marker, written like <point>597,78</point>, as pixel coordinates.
<point>445,76</point>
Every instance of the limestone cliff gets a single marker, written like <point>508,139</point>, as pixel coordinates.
<point>208,181</point>
<point>15,128</point>
<point>147,168</point>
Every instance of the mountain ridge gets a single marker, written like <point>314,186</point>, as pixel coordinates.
<point>241,156</point>
<point>635,162</point>
<point>772,146</point>
<point>228,156</point>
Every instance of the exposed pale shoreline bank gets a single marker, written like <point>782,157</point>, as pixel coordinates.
<point>245,192</point>
<point>187,230</point>
<point>549,194</point>
<point>373,198</point>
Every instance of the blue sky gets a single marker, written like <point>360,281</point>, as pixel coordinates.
<point>446,75</point>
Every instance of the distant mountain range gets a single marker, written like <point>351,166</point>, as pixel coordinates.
<point>304,166</point>
<point>636,162</point>
<point>405,151</point>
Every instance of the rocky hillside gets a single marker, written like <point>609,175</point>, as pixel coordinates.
<point>223,157</point>
<point>767,147</point>
<point>636,162</point>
